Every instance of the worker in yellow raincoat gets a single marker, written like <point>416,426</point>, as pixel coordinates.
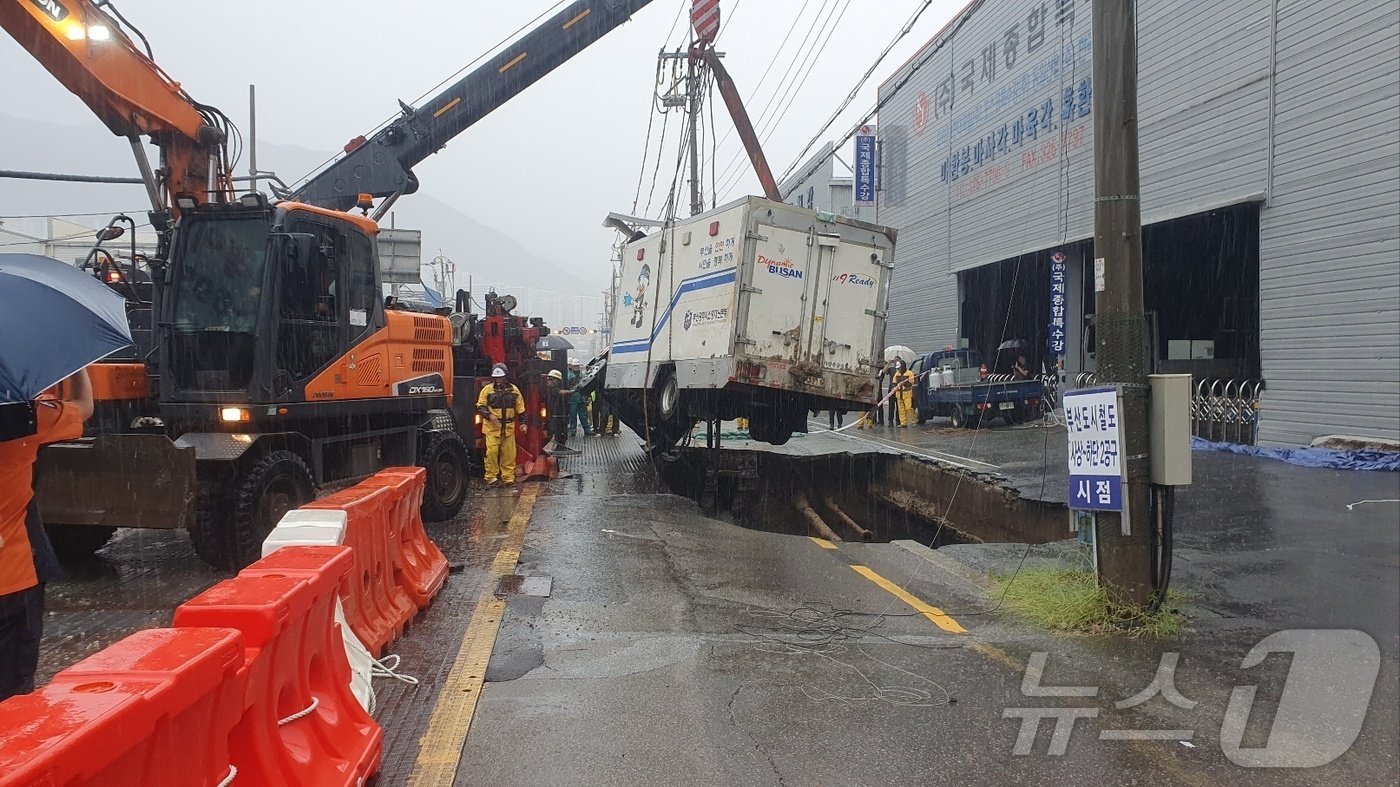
<point>500,405</point>
<point>903,382</point>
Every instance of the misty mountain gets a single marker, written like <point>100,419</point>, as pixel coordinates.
<point>29,145</point>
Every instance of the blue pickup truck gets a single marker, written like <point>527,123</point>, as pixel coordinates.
<point>955,384</point>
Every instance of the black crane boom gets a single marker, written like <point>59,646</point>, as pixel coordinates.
<point>382,166</point>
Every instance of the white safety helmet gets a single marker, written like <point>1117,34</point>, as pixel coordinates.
<point>499,370</point>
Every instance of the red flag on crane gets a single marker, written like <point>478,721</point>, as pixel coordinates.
<point>704,17</point>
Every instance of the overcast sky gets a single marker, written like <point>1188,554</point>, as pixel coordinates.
<point>548,165</point>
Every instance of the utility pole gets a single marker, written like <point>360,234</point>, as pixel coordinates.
<point>1125,560</point>
<point>696,72</point>
<point>253,139</point>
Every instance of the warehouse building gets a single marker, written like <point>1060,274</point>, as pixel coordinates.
<point>1270,161</point>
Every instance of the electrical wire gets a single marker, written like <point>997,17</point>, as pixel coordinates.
<point>796,87</point>
<point>736,162</point>
<point>773,61</point>
<point>904,80</point>
<point>846,103</point>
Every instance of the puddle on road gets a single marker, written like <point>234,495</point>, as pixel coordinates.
<point>860,497</point>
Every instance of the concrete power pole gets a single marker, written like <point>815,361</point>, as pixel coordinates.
<point>696,76</point>
<point>1125,560</point>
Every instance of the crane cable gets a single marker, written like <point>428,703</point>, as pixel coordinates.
<point>795,88</point>
<point>736,161</point>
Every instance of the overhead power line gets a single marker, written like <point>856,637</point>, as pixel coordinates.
<point>846,103</point>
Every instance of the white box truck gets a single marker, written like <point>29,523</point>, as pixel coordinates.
<point>755,309</point>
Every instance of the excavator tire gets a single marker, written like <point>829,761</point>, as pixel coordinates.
<point>73,543</point>
<point>444,455</point>
<point>277,483</point>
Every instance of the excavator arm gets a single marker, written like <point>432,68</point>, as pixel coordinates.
<point>382,166</point>
<point>90,54</point>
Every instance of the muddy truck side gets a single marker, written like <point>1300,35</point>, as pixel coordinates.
<point>755,309</point>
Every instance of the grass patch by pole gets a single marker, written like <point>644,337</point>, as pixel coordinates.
<point>1071,600</point>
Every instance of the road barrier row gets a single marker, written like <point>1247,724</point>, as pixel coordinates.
<point>251,685</point>
<point>264,678</point>
<point>398,569</point>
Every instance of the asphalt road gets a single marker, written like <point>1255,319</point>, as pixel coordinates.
<point>626,639</point>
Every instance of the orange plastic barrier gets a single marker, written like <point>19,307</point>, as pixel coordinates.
<point>299,723</point>
<point>376,606</point>
<point>420,568</point>
<point>152,710</point>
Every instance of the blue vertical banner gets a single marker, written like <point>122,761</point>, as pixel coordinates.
<point>1058,304</point>
<point>865,167</point>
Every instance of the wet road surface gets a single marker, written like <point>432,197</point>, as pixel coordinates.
<point>626,639</point>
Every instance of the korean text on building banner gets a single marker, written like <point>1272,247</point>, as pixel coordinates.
<point>865,167</point>
<point>1056,344</point>
<point>1095,449</point>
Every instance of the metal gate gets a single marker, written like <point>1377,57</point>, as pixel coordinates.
<point>1222,410</point>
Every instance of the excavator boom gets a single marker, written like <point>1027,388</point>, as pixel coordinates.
<point>382,166</point>
<point>90,54</point>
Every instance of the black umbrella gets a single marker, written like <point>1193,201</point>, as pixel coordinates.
<point>54,320</point>
<point>553,341</point>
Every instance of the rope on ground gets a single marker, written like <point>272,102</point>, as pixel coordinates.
<point>301,714</point>
<point>388,668</point>
<point>1351,506</point>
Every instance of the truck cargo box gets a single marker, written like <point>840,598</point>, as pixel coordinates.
<point>770,304</point>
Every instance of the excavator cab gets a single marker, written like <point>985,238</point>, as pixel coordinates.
<point>281,371</point>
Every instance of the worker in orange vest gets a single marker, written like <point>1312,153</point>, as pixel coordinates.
<point>27,560</point>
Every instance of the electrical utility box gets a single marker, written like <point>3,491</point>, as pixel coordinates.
<point>1171,429</point>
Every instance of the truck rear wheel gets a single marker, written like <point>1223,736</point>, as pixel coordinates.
<point>668,397</point>
<point>958,417</point>
<point>274,485</point>
<point>78,542</point>
<point>444,455</point>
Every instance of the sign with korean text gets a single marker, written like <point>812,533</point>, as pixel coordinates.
<point>865,167</point>
<point>1095,433</point>
<point>1058,302</point>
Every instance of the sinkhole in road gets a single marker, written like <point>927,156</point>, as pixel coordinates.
<point>870,496</point>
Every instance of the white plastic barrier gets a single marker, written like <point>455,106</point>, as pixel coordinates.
<point>318,527</point>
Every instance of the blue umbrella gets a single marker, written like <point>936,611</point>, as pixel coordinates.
<point>54,320</point>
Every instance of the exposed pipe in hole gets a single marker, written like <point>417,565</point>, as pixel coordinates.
<point>865,535</point>
<point>799,502</point>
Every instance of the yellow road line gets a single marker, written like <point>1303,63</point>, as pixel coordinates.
<point>934,614</point>
<point>440,749</point>
<point>999,656</point>
<point>823,543</point>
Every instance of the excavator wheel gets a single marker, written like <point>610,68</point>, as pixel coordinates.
<point>78,542</point>
<point>277,483</point>
<point>445,457</point>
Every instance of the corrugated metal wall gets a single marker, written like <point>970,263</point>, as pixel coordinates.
<point>1204,135</point>
<point>1330,232</point>
<point>1329,245</point>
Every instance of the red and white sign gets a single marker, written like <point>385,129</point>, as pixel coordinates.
<point>1058,257</point>
<point>704,17</point>
<point>921,114</point>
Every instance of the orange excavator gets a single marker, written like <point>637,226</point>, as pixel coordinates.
<point>269,362</point>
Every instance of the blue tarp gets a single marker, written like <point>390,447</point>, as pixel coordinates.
<point>1310,457</point>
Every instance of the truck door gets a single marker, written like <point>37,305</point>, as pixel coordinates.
<point>780,304</point>
<point>850,282</point>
